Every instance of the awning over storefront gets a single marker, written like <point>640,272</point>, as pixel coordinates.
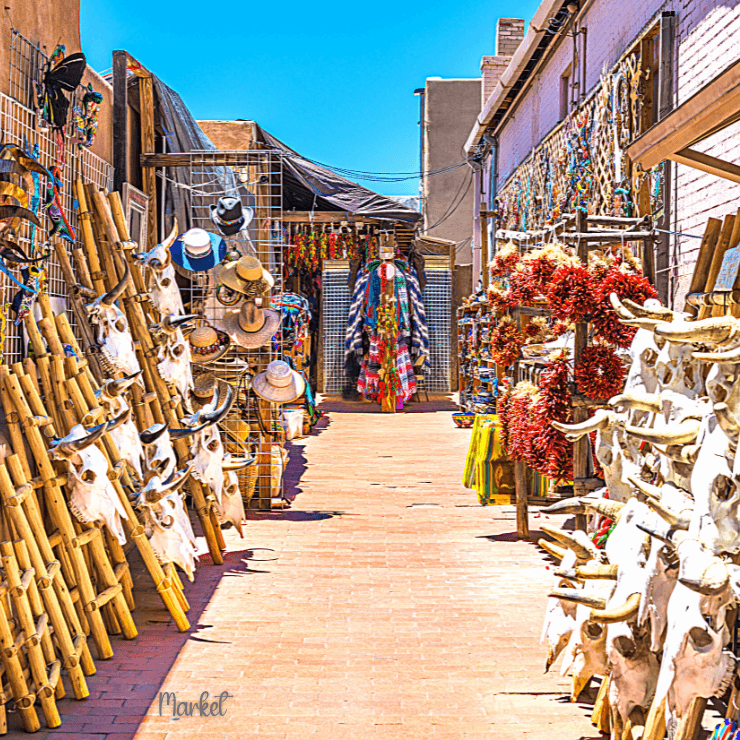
<point>713,108</point>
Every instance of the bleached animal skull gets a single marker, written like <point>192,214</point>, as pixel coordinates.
<point>173,356</point>
<point>559,616</point>
<point>113,332</point>
<point>126,435</point>
<point>695,662</point>
<point>160,277</point>
<point>167,523</point>
<point>231,507</point>
<point>92,497</point>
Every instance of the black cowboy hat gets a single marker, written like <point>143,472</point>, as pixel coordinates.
<point>229,216</point>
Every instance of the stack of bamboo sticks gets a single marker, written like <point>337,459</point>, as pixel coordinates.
<point>64,580</point>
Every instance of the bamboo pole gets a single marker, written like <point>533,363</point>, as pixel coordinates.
<point>88,238</point>
<point>12,422</point>
<point>11,658</point>
<point>39,612</point>
<point>18,588</point>
<point>57,508</point>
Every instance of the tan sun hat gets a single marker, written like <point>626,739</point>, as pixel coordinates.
<point>208,344</point>
<point>204,386</point>
<point>279,383</point>
<point>251,326</point>
<point>246,276</point>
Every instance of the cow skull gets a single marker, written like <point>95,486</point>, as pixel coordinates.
<point>113,333</point>
<point>160,277</point>
<point>92,495</point>
<point>173,356</point>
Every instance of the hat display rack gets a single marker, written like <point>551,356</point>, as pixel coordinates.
<point>251,199</point>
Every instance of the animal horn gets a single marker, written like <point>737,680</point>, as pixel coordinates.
<point>72,447</point>
<point>577,596</point>
<point>712,580</point>
<point>730,356</point>
<point>647,488</point>
<point>606,572</point>
<point>109,298</point>
<point>683,434</point>
<point>717,329</point>
<point>665,538</point>
<point>170,240</point>
<point>236,463</point>
<point>186,432</point>
<point>638,401</point>
<point>647,324</point>
<point>677,521</point>
<point>568,540</point>
<point>727,421</point>
<point>152,434</point>
<point>621,310</point>
<point>661,313</point>
<point>553,550</point>
<point>115,387</point>
<point>628,610</point>
<point>600,420</point>
<point>120,419</point>
<point>172,323</point>
<point>215,416</point>
<point>610,509</point>
<point>177,479</point>
<point>566,506</point>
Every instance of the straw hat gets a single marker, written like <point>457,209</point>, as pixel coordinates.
<point>204,386</point>
<point>251,326</point>
<point>246,276</point>
<point>279,383</point>
<point>208,344</point>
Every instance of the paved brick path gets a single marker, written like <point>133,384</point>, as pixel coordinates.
<point>385,604</point>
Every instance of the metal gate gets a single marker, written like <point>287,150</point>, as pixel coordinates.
<point>438,306</point>
<point>335,300</point>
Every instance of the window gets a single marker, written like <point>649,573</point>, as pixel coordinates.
<point>565,93</point>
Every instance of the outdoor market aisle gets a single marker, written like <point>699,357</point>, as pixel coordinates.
<point>386,604</point>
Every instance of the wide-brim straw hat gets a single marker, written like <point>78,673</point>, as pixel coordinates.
<point>279,383</point>
<point>204,386</point>
<point>251,336</point>
<point>247,269</point>
<point>208,344</point>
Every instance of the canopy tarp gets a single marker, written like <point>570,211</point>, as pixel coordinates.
<point>308,186</point>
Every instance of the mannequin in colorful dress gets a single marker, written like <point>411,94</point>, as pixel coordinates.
<point>387,328</point>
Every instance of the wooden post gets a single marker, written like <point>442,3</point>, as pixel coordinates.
<point>484,256</point>
<point>581,448</point>
<point>521,483</point>
<point>120,119</point>
<point>148,174</point>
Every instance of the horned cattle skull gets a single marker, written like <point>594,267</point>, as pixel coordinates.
<point>113,333</point>
<point>231,506</point>
<point>160,277</point>
<point>92,497</point>
<point>173,356</point>
<point>126,435</point>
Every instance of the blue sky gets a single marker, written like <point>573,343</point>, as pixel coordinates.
<point>334,81</point>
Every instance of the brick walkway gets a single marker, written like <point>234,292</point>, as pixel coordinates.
<point>385,604</point>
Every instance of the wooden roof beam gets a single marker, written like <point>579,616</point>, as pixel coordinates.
<point>707,163</point>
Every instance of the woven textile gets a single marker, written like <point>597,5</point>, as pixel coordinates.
<point>487,468</point>
<point>369,379</point>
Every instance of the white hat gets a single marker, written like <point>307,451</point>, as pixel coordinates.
<point>279,383</point>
